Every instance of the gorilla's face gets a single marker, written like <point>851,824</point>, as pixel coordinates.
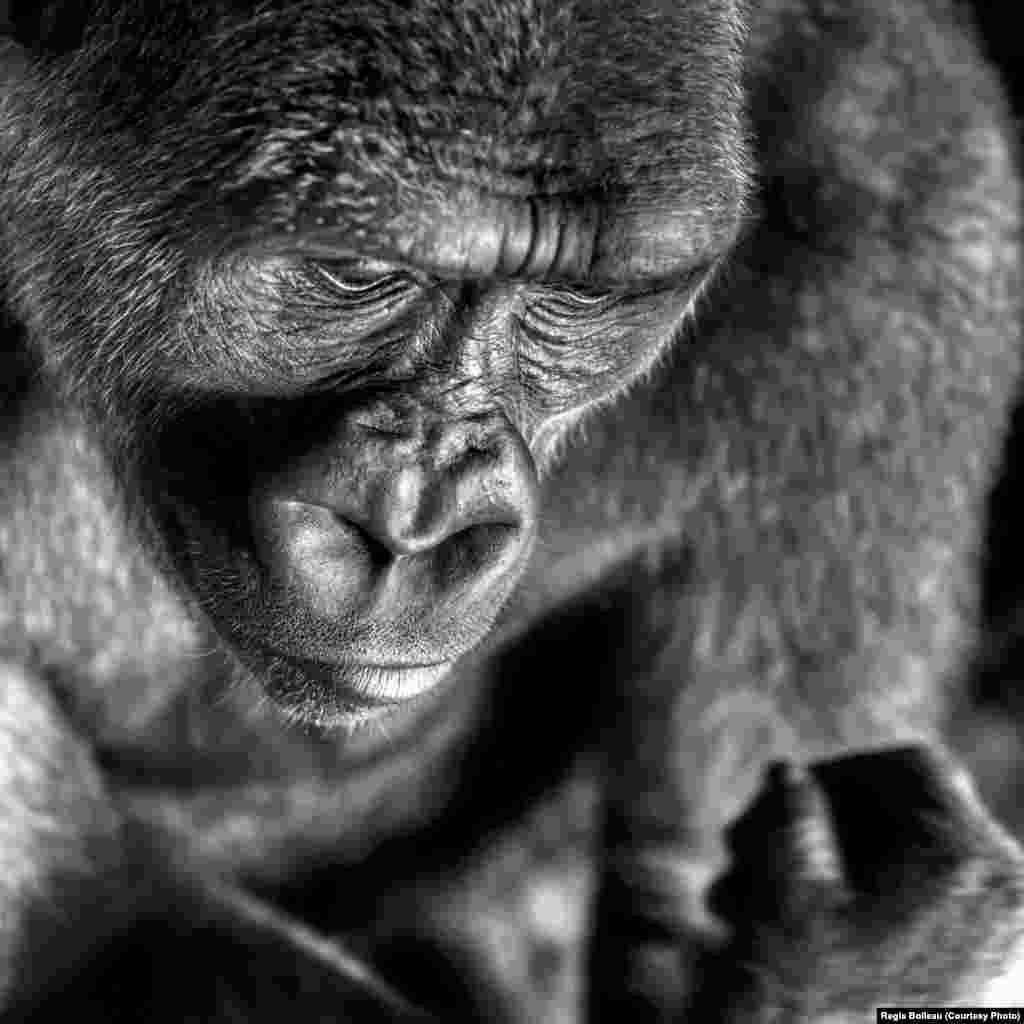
<point>335,326</point>
<point>355,516</point>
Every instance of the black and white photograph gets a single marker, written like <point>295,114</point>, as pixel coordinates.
<point>509,511</point>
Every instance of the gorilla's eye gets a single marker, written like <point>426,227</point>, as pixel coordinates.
<point>578,301</point>
<point>587,294</point>
<point>363,285</point>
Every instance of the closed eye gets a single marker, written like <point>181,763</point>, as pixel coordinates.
<point>352,286</point>
<point>563,302</point>
<point>566,303</point>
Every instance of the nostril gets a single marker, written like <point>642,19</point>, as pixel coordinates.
<point>477,548</point>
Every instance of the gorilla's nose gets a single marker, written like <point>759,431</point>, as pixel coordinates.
<point>469,505</point>
<point>378,528</point>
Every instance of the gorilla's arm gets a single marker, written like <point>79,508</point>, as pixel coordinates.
<point>731,871</point>
<point>665,802</point>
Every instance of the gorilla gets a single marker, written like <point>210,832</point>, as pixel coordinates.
<point>492,510</point>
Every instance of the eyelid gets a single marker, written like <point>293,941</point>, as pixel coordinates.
<point>595,296</point>
<point>591,297</point>
<point>376,288</point>
<point>566,301</point>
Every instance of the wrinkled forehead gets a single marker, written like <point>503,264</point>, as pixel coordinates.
<point>519,137</point>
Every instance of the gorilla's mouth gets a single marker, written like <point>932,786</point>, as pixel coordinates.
<point>334,664</point>
<point>371,685</point>
<point>347,688</point>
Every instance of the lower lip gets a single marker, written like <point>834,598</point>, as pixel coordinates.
<point>380,685</point>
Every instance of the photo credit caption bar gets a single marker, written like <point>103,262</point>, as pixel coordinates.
<point>975,1014</point>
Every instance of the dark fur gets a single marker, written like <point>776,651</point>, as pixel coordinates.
<point>766,552</point>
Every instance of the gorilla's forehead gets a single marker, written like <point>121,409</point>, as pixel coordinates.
<point>493,136</point>
<point>478,65</point>
<point>516,138</point>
